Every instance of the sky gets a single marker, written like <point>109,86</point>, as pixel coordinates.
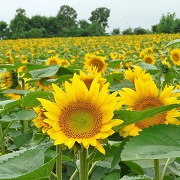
<point>123,13</point>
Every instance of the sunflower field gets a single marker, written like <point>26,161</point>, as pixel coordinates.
<point>90,108</point>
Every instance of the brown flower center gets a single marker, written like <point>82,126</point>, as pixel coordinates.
<point>147,103</point>
<point>98,64</point>
<point>80,120</point>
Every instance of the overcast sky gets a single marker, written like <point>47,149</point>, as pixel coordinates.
<point>123,13</point>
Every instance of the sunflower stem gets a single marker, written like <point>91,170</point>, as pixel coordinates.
<point>59,162</point>
<point>164,169</point>
<point>83,171</point>
<point>156,169</point>
<point>3,150</point>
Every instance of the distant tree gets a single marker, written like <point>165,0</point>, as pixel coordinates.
<point>83,24</point>
<point>19,24</point>
<point>127,31</point>
<point>177,26</point>
<point>140,30</point>
<point>116,31</point>
<point>100,16</point>
<point>3,29</point>
<point>51,27</point>
<point>166,24</point>
<point>35,33</point>
<point>37,21</point>
<point>66,17</point>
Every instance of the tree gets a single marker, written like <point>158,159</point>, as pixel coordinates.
<point>100,16</point>
<point>20,22</point>
<point>127,31</point>
<point>66,17</point>
<point>3,29</point>
<point>166,24</point>
<point>116,31</point>
<point>140,30</point>
<point>177,26</point>
<point>51,27</point>
<point>38,21</point>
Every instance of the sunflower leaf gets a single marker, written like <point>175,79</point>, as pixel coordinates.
<point>172,43</point>
<point>156,142</point>
<point>130,117</point>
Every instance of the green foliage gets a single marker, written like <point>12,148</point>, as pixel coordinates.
<point>100,16</point>
<point>155,142</point>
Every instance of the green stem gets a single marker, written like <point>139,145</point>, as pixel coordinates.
<point>3,150</point>
<point>74,174</point>
<point>25,126</point>
<point>59,162</point>
<point>83,171</point>
<point>164,169</point>
<point>156,169</point>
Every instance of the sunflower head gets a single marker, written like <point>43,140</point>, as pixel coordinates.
<point>149,59</point>
<point>98,62</point>
<point>40,120</point>
<point>145,96</point>
<point>53,60</point>
<point>89,76</point>
<point>175,56</point>
<point>81,115</point>
<point>136,72</point>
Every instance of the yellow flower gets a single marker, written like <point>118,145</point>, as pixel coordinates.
<point>131,74</point>
<point>145,96</point>
<point>40,121</point>
<point>88,78</point>
<point>149,59</point>
<point>53,60</point>
<point>92,60</point>
<point>175,56</point>
<point>81,115</point>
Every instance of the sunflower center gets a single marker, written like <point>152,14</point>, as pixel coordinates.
<point>80,120</point>
<point>147,103</point>
<point>98,64</point>
<point>175,57</point>
<point>148,60</point>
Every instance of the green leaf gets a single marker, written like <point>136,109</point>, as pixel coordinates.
<point>22,140</point>
<point>147,66</point>
<point>44,72</point>
<point>30,100</point>
<point>155,142</point>
<point>172,43</point>
<point>15,91</point>
<point>130,117</point>
<point>22,164</point>
<point>26,115</point>
<point>112,176</point>
<point>42,173</point>
<point>117,156</point>
<point>134,167</point>
<point>136,178</point>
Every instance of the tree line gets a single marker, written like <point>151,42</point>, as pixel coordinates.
<point>65,24</point>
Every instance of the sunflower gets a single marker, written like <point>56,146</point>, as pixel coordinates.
<point>92,60</point>
<point>39,121</point>
<point>53,60</point>
<point>175,56</point>
<point>88,78</point>
<point>136,72</point>
<point>81,115</point>
<point>148,58</point>
<point>9,80</point>
<point>145,96</point>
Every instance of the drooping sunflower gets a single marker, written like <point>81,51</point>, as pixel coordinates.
<point>81,115</point>
<point>92,60</point>
<point>175,56</point>
<point>149,58</point>
<point>145,96</point>
<point>137,71</point>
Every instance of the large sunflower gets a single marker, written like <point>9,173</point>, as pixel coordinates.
<point>175,56</point>
<point>92,60</point>
<point>146,95</point>
<point>81,115</point>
